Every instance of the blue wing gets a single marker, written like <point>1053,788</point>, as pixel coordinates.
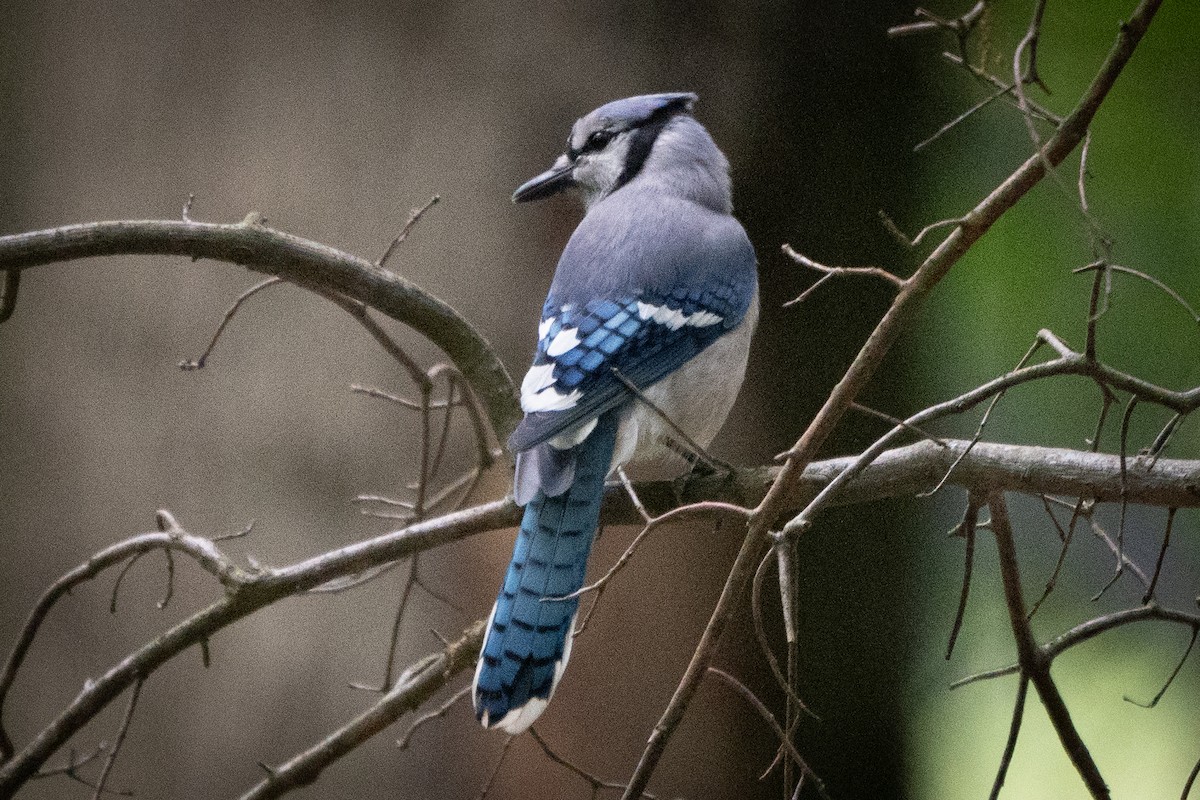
<point>585,351</point>
<point>642,287</point>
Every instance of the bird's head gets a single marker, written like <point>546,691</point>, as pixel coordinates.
<point>611,146</point>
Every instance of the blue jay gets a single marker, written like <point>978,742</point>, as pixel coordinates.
<point>657,287</point>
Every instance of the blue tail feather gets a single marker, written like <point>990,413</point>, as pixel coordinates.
<point>528,639</point>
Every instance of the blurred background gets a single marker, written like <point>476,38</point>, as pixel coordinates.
<point>334,120</point>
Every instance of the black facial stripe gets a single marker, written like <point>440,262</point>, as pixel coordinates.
<point>640,144</point>
<point>650,127</point>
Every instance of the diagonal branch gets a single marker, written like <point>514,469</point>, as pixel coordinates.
<point>417,685</point>
<point>899,317</point>
<point>1033,660</point>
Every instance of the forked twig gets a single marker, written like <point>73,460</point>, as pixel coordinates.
<point>829,272</point>
<point>769,718</point>
<point>441,711</point>
<point>596,783</point>
<point>111,759</point>
<point>1032,659</point>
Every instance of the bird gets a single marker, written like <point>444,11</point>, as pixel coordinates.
<point>645,332</point>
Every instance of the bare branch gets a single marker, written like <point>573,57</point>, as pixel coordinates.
<point>198,363</point>
<point>767,716</point>
<point>1010,746</point>
<point>437,713</point>
<point>120,740</point>
<point>299,261</point>
<point>1171,679</point>
<point>417,685</point>
<point>829,272</point>
<point>1162,554</point>
<point>1033,660</point>
<point>413,219</point>
<point>967,528</point>
<point>984,103</point>
<point>1174,295</point>
<point>591,779</point>
<point>961,26</point>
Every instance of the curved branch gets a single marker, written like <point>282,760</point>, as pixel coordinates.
<point>202,550</point>
<point>315,266</point>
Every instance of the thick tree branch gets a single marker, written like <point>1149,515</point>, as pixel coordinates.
<point>252,244</point>
<point>900,472</point>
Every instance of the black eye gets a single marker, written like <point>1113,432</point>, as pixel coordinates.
<point>598,140</point>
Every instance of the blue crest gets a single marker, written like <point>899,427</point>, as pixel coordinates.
<point>635,110</point>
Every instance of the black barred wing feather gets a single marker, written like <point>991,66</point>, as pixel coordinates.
<point>643,337</point>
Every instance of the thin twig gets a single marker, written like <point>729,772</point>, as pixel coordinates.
<point>1038,111</point>
<point>1171,679</point>
<point>829,272</point>
<point>441,711</point>
<point>894,229</point>
<point>987,414</point>
<point>940,442</point>
<point>967,526</point>
<point>413,219</point>
<point>120,740</point>
<point>698,451</point>
<point>393,641</point>
<point>491,779</point>
<point>198,363</point>
<point>942,131</point>
<point>1120,552</point>
<point>1010,745</point>
<point>761,633</point>
<point>1065,537</point>
<point>1153,281</point>
<point>596,783</point>
<point>769,718</point>
<point>1162,554</point>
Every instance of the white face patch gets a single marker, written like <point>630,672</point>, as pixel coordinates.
<point>538,392</point>
<point>598,172</point>
<point>675,319</point>
<point>564,340</point>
